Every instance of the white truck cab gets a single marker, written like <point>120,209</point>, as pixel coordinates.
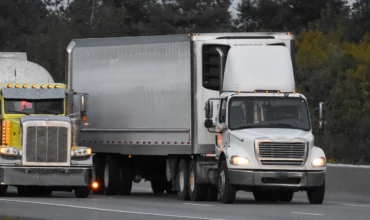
<point>264,141</point>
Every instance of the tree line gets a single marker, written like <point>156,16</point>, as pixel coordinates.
<point>332,50</point>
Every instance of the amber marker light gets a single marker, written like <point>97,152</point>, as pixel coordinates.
<point>95,185</point>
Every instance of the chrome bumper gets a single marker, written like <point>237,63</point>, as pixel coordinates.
<point>283,179</point>
<point>46,176</point>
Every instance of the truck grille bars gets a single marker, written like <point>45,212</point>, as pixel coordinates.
<point>46,144</point>
<point>282,153</point>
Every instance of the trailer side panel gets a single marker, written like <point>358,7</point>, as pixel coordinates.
<point>139,96</point>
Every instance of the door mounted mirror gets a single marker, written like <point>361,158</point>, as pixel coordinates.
<point>209,109</point>
<point>322,121</point>
<point>83,104</point>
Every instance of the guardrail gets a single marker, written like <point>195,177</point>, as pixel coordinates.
<point>348,183</point>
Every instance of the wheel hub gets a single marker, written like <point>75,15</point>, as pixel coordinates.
<point>181,180</point>
<point>191,180</point>
<point>106,175</point>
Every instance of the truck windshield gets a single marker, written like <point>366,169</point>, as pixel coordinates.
<point>44,106</point>
<point>268,112</point>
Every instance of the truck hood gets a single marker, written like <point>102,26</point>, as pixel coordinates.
<point>272,133</point>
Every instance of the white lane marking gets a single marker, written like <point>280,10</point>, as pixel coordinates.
<point>305,213</point>
<point>357,205</point>
<point>197,204</point>
<point>107,210</point>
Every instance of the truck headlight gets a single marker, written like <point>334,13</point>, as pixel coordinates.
<point>9,151</point>
<point>81,152</point>
<point>318,162</point>
<point>236,160</point>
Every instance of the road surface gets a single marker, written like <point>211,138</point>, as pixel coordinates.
<point>142,204</point>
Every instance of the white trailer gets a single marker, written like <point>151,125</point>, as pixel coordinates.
<point>156,112</point>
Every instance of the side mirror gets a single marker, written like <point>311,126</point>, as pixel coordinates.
<point>83,104</point>
<point>321,115</point>
<point>209,109</point>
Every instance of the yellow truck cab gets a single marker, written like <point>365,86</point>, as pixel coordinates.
<point>39,151</point>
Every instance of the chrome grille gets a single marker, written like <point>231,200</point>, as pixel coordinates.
<point>282,153</point>
<point>46,143</point>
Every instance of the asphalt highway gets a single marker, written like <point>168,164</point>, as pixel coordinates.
<point>143,204</point>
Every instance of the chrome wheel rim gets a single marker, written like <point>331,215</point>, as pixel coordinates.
<point>106,175</point>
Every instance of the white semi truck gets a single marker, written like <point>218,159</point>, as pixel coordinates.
<point>204,115</point>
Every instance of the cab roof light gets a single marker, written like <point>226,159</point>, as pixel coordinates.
<point>17,86</point>
<point>50,86</point>
<point>42,86</point>
<point>266,91</point>
<point>24,86</point>
<point>9,86</point>
<point>56,86</point>
<point>33,86</point>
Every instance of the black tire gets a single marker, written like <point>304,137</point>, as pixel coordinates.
<point>226,191</point>
<point>3,190</point>
<point>170,189</point>
<point>158,186</point>
<point>182,177</point>
<point>82,192</point>
<point>286,196</point>
<point>111,175</point>
<point>98,174</point>
<point>125,186</point>
<point>316,195</point>
<point>197,192</point>
<point>47,192</point>
<point>212,193</point>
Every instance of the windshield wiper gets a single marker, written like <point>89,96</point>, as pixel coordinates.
<point>19,112</point>
<point>248,126</point>
<point>47,112</point>
<point>284,125</point>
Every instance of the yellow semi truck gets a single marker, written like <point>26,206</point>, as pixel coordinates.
<point>39,153</point>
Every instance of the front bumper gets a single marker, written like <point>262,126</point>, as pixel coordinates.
<point>283,179</point>
<point>46,176</point>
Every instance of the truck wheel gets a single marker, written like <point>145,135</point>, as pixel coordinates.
<point>226,191</point>
<point>98,174</point>
<point>158,186</point>
<point>3,190</point>
<point>316,194</point>
<point>182,177</point>
<point>125,186</point>
<point>82,192</point>
<point>170,188</point>
<point>286,196</point>
<point>197,192</point>
<point>111,177</point>
<point>212,193</point>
